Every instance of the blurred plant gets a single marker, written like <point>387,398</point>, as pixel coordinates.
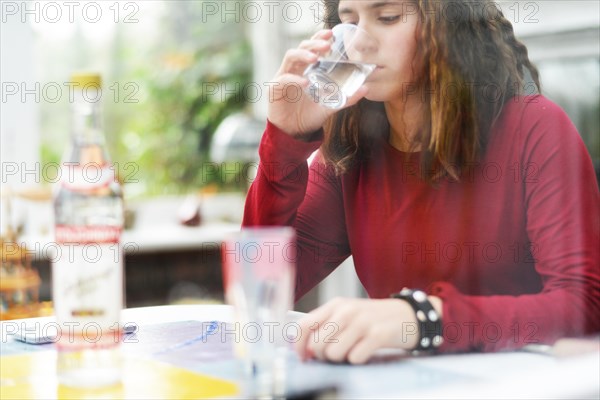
<point>169,137</point>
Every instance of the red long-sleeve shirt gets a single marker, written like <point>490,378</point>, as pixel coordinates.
<point>512,249</point>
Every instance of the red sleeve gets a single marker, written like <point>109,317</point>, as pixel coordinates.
<point>279,196</point>
<point>563,225</point>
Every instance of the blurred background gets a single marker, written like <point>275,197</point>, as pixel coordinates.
<point>185,91</point>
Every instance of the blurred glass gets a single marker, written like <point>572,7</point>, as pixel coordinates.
<point>259,274</point>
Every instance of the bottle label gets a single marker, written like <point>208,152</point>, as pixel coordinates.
<point>86,177</point>
<point>87,234</point>
<point>87,283</point>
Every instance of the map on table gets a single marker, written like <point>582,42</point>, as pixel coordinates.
<point>28,371</point>
<point>195,359</point>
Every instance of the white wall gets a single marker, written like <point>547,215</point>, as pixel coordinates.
<point>551,29</point>
<point>19,124</point>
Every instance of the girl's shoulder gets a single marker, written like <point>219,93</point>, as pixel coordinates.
<point>537,127</point>
<point>537,117</point>
<point>531,109</point>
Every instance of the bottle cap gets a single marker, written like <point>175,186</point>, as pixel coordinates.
<point>87,79</point>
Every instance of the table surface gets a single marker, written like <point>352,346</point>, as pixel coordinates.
<point>184,336</point>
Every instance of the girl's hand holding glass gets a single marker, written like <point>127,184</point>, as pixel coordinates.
<point>291,108</point>
<point>336,76</point>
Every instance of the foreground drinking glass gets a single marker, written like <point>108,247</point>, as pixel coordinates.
<point>337,76</point>
<point>259,275</point>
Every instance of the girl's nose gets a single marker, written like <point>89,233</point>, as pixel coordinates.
<point>362,47</point>
<point>364,43</point>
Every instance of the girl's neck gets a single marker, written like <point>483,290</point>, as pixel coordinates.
<point>405,117</point>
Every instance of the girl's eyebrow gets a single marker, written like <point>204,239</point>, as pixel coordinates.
<point>379,4</point>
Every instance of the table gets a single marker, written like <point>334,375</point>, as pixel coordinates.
<point>177,353</point>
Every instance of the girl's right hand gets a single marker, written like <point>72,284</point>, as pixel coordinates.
<point>290,108</point>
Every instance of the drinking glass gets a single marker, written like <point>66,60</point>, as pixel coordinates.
<point>337,76</point>
<point>259,276</point>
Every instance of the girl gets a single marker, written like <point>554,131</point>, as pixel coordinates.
<point>459,191</point>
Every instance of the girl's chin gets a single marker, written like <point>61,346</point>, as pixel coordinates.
<point>378,94</point>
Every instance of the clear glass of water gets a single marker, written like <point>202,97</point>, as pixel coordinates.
<point>337,76</point>
<point>259,276</point>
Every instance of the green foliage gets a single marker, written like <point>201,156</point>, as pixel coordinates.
<point>159,100</point>
<point>169,135</point>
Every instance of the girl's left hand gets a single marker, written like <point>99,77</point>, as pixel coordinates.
<point>351,330</point>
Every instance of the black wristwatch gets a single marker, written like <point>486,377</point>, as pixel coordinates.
<point>429,320</point>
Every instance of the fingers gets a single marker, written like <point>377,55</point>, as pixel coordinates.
<point>331,331</point>
<point>310,325</point>
<point>287,82</point>
<point>336,341</point>
<point>296,60</point>
<point>353,329</point>
<point>363,349</point>
<point>324,34</point>
<point>318,46</point>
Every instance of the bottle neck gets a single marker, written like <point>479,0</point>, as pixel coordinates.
<point>87,117</point>
<point>87,133</point>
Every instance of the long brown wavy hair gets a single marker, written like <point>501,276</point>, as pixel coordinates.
<point>464,47</point>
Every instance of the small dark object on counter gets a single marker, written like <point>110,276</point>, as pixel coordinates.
<point>189,211</point>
